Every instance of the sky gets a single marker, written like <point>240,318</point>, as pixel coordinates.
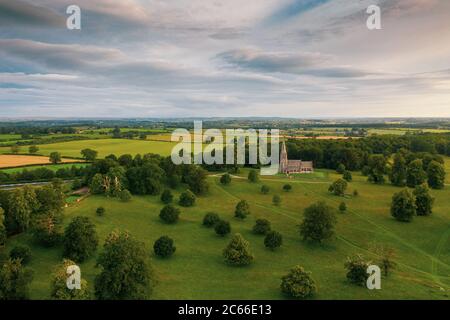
<point>224,58</point>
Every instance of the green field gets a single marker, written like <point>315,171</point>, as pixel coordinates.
<point>53,167</point>
<point>103,146</point>
<point>197,270</point>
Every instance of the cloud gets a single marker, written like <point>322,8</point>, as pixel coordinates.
<point>18,12</point>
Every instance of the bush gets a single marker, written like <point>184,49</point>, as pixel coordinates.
<point>225,179</point>
<point>403,207</point>
<point>164,247</point>
<point>242,209</point>
<point>338,187</point>
<point>287,187</point>
<point>253,176</point>
<point>273,240</point>
<point>357,270</point>
<point>340,169</point>
<point>80,239</point>
<point>100,211</point>
<point>298,284</point>
<point>187,199</point>
<point>342,207</point>
<point>169,214</point>
<point>276,200</point>
<point>237,252</point>
<point>210,219</point>
<point>265,189</point>
<point>355,193</point>
<point>167,196</point>
<point>125,195</point>
<point>318,223</point>
<point>222,228</point>
<point>347,176</point>
<point>21,252</point>
<point>262,226</point>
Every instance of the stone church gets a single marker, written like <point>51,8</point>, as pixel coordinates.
<point>293,166</point>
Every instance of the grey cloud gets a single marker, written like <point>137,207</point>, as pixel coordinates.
<point>17,12</point>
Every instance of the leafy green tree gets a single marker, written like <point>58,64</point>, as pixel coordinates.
<point>167,196</point>
<point>377,168</point>
<point>415,174</point>
<point>340,168</point>
<point>237,252</point>
<point>145,179</point>
<point>398,171</point>
<point>55,157</point>
<point>22,253</point>
<point>357,270</point>
<point>33,149</point>
<point>196,179</point>
<point>3,234</point>
<point>100,211</point>
<point>342,207</point>
<point>347,176</point>
<point>187,199</point>
<point>59,289</point>
<point>15,281</point>
<point>355,193</point>
<point>125,195</point>
<point>80,239</point>
<point>51,200</point>
<point>89,154</point>
<point>210,219</point>
<point>169,214</point>
<point>436,175</point>
<point>287,187</point>
<point>386,258</point>
<point>276,200</point>
<point>222,228</point>
<point>338,187</point>
<point>298,284</point>
<point>253,176</point>
<point>225,179</point>
<point>126,272</point>
<point>265,189</point>
<point>318,222</point>
<point>273,240</point>
<point>424,201</point>
<point>97,186</point>
<point>262,226</point>
<point>18,216</point>
<point>164,247</point>
<point>47,231</point>
<point>403,207</point>
<point>242,209</point>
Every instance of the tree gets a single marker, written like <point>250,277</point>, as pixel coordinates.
<point>377,168</point>
<point>318,222</point>
<point>14,281</point>
<point>237,252</point>
<point>225,179</point>
<point>169,214</point>
<point>436,175</point>
<point>347,176</point>
<point>124,195</point>
<point>164,247</point>
<point>253,176</point>
<point>287,187</point>
<point>55,157</point>
<point>242,209</point>
<point>338,187</point>
<point>386,258</point>
<point>80,239</point>
<point>424,201</point>
<point>33,149</point>
<point>276,200</point>
<point>342,207</point>
<point>265,189</point>
<point>18,215</point>
<point>116,133</point>
<point>187,199</point>
<point>398,171</point>
<point>262,226</point>
<point>273,240</point>
<point>196,179</point>
<point>47,231</point>
<point>167,196</point>
<point>415,174</point>
<point>3,233</point>
<point>59,289</point>
<point>126,273</point>
<point>298,284</point>
<point>96,185</point>
<point>340,168</point>
<point>403,206</point>
<point>210,219</point>
<point>100,211</point>
<point>15,149</point>
<point>222,228</point>
<point>357,269</point>
<point>355,193</point>
<point>22,253</point>
<point>89,154</point>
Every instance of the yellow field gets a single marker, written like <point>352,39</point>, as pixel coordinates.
<point>8,161</point>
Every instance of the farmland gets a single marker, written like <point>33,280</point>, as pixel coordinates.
<point>7,161</point>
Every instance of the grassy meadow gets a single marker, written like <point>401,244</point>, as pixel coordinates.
<point>197,270</point>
